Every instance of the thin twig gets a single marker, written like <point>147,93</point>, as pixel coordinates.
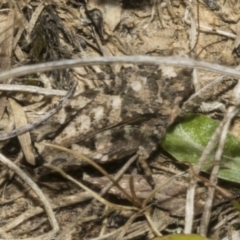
<point>194,34</point>
<point>127,225</point>
<point>191,187</point>
<point>96,166</point>
<point>103,191</point>
<point>32,89</point>
<point>136,59</point>
<point>150,222</point>
<point>189,205</point>
<point>201,91</point>
<point>211,30</point>
<point>232,111</point>
<point>95,195</point>
<point>46,116</point>
<point>158,187</point>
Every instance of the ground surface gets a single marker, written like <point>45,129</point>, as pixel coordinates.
<point>107,100</point>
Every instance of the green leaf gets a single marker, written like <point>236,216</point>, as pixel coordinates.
<point>181,237</point>
<point>186,141</point>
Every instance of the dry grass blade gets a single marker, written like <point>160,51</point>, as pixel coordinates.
<point>95,195</point>
<point>33,21</point>
<point>103,191</point>
<point>232,111</point>
<point>131,184</point>
<point>46,116</point>
<point>23,217</point>
<point>152,226</point>
<point>192,184</point>
<point>202,92</point>
<point>127,226</point>
<point>32,89</point>
<point>46,204</point>
<point>190,205</point>
<point>220,131</point>
<point>99,168</point>
<point>146,212</point>
<point>157,188</point>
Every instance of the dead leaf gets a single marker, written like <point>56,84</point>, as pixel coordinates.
<point>24,139</point>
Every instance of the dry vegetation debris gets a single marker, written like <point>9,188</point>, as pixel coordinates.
<point>33,32</point>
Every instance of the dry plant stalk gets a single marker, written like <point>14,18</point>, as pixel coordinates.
<point>136,59</point>
<point>103,191</point>
<point>30,126</point>
<point>95,195</point>
<point>95,165</point>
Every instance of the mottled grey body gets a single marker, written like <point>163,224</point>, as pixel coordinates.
<point>129,116</point>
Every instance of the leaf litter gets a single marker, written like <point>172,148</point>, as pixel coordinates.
<point>34,32</point>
